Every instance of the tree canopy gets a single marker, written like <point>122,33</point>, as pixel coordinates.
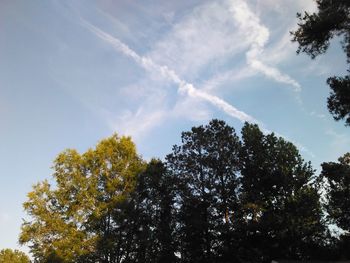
<point>280,205</point>
<point>80,217</point>
<point>206,167</point>
<point>13,256</point>
<point>254,197</point>
<point>314,34</point>
<point>337,176</point>
<point>217,197</point>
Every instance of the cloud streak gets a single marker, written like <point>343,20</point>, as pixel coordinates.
<point>212,35</point>
<point>183,86</point>
<point>258,35</point>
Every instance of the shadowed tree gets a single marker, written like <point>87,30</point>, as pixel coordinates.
<point>337,185</point>
<point>281,214</point>
<point>216,199</point>
<point>314,35</point>
<point>155,224</point>
<point>206,166</point>
<point>337,175</point>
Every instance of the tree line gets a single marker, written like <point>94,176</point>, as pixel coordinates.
<point>217,197</point>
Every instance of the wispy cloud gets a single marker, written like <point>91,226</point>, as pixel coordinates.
<point>216,32</point>
<point>249,22</point>
<point>231,76</point>
<point>256,34</point>
<point>203,37</point>
<point>272,72</point>
<point>170,75</point>
<point>135,124</point>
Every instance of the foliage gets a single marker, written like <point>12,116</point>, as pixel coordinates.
<point>337,176</point>
<point>153,200</point>
<point>254,198</point>
<point>313,36</point>
<point>217,198</point>
<point>13,256</point>
<point>336,181</point>
<point>280,209</point>
<point>206,167</point>
<point>82,216</point>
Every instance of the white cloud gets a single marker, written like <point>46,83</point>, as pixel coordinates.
<point>191,108</point>
<point>202,37</point>
<point>216,101</point>
<point>259,35</point>
<point>231,75</point>
<point>186,41</point>
<point>170,75</point>
<point>273,73</point>
<point>136,124</point>
<point>213,34</point>
<point>280,18</point>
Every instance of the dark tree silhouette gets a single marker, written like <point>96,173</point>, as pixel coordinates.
<point>153,200</point>
<point>281,214</point>
<point>313,36</point>
<point>337,185</point>
<point>217,198</point>
<point>207,168</point>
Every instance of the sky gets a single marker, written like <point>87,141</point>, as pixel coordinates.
<point>75,72</point>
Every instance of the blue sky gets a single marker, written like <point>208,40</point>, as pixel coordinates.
<point>74,72</point>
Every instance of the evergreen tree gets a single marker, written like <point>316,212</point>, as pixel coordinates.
<point>314,35</point>
<point>281,214</point>
<point>206,166</point>
<point>153,202</point>
<point>336,177</point>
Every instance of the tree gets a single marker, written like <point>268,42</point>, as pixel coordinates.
<point>206,167</point>
<point>84,216</point>
<point>216,199</point>
<point>280,213</point>
<point>155,224</point>
<point>336,179</point>
<point>337,176</point>
<point>13,256</point>
<point>313,36</point>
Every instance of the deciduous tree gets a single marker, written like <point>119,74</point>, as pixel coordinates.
<point>83,215</point>
<point>13,256</point>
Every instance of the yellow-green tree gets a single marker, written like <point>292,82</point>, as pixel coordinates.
<point>80,216</point>
<point>13,256</point>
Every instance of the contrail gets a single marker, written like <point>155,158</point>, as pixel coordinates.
<point>247,21</point>
<point>184,87</point>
